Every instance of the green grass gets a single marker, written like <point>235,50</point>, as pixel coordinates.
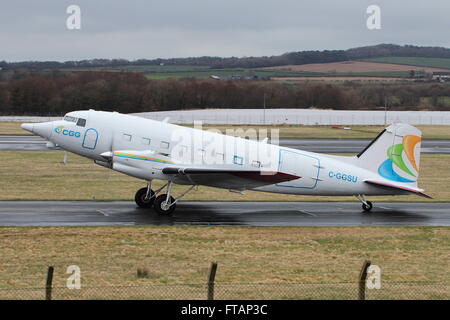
<point>41,175</point>
<point>224,73</point>
<point>414,61</point>
<point>201,72</point>
<point>145,68</point>
<point>258,262</point>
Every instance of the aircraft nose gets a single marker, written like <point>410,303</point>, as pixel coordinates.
<point>27,126</point>
<point>43,129</point>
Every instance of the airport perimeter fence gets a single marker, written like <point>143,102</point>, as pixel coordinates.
<point>238,291</point>
<point>292,116</point>
<point>363,288</point>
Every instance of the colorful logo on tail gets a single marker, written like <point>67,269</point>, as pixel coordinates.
<point>395,157</point>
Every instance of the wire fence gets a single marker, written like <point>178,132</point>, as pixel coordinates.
<point>282,116</point>
<point>238,291</point>
<point>35,282</point>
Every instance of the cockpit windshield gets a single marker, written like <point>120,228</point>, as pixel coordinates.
<point>70,119</point>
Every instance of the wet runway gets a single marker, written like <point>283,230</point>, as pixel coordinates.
<point>84,213</point>
<point>313,145</point>
<point>356,145</point>
<point>22,143</point>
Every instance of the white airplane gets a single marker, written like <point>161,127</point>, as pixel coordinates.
<point>149,150</point>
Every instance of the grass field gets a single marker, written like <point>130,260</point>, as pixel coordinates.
<point>290,131</point>
<point>338,79</point>
<point>273,257</point>
<point>365,66</point>
<point>41,175</point>
<point>323,70</point>
<point>201,72</point>
<point>414,61</point>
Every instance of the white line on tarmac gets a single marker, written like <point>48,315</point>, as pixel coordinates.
<point>103,213</point>
<point>308,213</point>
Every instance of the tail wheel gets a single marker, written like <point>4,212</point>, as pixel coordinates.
<point>367,207</point>
<point>142,201</point>
<point>162,207</point>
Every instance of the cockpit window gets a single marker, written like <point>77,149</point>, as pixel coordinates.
<point>81,122</point>
<point>70,119</point>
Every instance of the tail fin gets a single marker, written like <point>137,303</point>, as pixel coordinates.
<point>394,154</point>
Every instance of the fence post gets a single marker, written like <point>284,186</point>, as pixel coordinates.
<point>48,284</point>
<point>362,280</point>
<point>211,278</point>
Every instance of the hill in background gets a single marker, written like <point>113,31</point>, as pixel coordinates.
<point>383,51</point>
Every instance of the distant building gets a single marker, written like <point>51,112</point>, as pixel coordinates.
<point>441,76</point>
<point>240,77</point>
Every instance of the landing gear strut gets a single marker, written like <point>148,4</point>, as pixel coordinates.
<point>145,197</point>
<point>366,205</point>
<point>165,204</point>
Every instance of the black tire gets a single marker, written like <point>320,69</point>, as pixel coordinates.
<point>367,207</point>
<point>159,205</point>
<point>140,200</point>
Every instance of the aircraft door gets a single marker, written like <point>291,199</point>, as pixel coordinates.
<point>305,166</point>
<point>90,139</point>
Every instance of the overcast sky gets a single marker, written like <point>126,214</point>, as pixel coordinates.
<point>133,29</point>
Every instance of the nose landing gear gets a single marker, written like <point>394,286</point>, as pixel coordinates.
<point>366,205</point>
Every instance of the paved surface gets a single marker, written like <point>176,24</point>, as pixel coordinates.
<point>355,145</point>
<point>22,143</point>
<point>83,213</point>
<point>314,145</point>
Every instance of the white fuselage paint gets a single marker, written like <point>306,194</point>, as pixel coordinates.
<point>110,131</point>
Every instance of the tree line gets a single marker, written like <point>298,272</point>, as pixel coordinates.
<point>127,92</point>
<point>296,58</point>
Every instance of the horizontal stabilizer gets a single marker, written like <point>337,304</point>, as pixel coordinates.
<point>385,185</point>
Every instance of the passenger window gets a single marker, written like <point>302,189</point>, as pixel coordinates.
<point>238,160</point>
<point>146,141</point>
<point>126,137</point>
<point>81,122</point>
<point>164,145</point>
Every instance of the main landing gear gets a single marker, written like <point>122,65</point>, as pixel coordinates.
<point>163,204</point>
<point>145,197</point>
<point>366,205</point>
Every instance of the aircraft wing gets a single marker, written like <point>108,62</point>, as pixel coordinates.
<point>386,185</point>
<point>227,178</point>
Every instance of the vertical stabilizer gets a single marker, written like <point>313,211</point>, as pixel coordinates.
<point>394,154</point>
